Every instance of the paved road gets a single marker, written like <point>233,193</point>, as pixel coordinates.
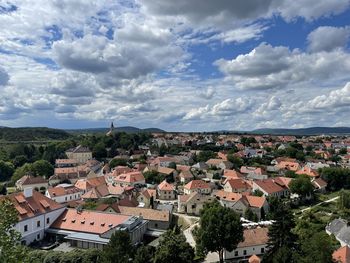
<point>327,201</point>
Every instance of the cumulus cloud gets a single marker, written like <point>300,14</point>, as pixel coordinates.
<point>267,67</point>
<point>328,38</point>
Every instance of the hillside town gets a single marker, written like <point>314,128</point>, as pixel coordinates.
<point>169,180</point>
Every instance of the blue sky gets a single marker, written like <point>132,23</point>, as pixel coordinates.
<point>197,65</point>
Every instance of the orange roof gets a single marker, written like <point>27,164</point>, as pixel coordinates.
<point>165,170</point>
<point>146,213</point>
<point>254,259</point>
<point>183,167</point>
<point>248,170</point>
<point>28,180</point>
<point>342,255</point>
<point>308,171</point>
<point>28,207</point>
<point>197,184</point>
<point>214,161</point>
<point>269,186</point>
<point>293,166</point>
<point>233,197</point>
<point>88,221</point>
<point>132,177</point>
<point>60,191</point>
<point>149,192</point>
<point>254,237</point>
<point>238,184</point>
<point>165,186</point>
<point>232,174</point>
<point>255,201</point>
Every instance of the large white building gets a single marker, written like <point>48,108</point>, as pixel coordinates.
<point>36,214</point>
<point>64,193</point>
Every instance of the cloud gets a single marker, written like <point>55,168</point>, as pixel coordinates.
<point>4,77</point>
<point>268,67</point>
<point>327,38</point>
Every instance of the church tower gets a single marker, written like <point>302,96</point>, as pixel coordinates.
<point>111,130</point>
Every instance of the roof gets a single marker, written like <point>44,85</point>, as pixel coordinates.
<point>88,221</point>
<point>254,259</point>
<point>165,170</point>
<point>96,192</point>
<point>232,174</point>
<point>165,186</point>
<point>231,197</point>
<point>60,191</point>
<point>149,192</point>
<point>254,170</point>
<point>197,184</point>
<point>186,175</point>
<point>238,184</point>
<point>79,149</point>
<point>146,213</point>
<point>255,201</point>
<point>30,180</point>
<point>66,161</point>
<point>342,255</point>
<point>269,186</point>
<point>35,205</point>
<point>132,177</point>
<point>254,237</point>
<point>214,161</point>
<point>319,183</point>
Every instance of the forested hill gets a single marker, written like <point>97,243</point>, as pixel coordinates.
<point>127,129</point>
<point>305,131</point>
<point>32,134</point>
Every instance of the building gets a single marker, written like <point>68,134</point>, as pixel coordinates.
<point>91,229</point>
<point>255,243</point>
<point>64,193</point>
<point>342,255</point>
<point>71,174</point>
<point>272,187</point>
<point>80,153</point>
<point>340,229</point>
<point>193,203</point>
<point>166,191</point>
<point>237,186</point>
<point>199,186</point>
<point>147,197</point>
<point>38,183</point>
<point>185,176</point>
<point>130,179</point>
<point>36,213</point>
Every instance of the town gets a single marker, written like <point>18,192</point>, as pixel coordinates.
<point>185,197</point>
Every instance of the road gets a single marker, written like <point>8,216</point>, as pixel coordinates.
<point>327,201</point>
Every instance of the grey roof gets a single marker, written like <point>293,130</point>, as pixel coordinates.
<point>344,235</point>
<point>336,226</point>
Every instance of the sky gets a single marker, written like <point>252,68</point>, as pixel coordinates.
<point>198,65</point>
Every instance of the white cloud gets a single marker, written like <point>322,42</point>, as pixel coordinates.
<point>327,38</point>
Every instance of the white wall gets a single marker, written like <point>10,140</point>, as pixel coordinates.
<point>249,252</point>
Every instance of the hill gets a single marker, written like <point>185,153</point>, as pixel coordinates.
<point>32,134</point>
<point>127,129</point>
<point>305,131</point>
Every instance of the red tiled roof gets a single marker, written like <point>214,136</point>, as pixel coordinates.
<point>29,180</point>
<point>197,184</point>
<point>269,186</point>
<point>254,237</point>
<point>342,255</point>
<point>132,177</point>
<point>255,201</point>
<point>165,186</point>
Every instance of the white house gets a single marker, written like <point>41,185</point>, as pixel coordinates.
<point>64,193</point>
<point>36,213</point>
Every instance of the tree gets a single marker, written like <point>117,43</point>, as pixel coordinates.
<point>220,228</point>
<point>91,255</point>
<point>336,177</point>
<point>117,162</point>
<point>235,160</point>
<point>301,185</point>
<point>249,215</point>
<point>36,256</point>
<point>144,254</point>
<point>99,151</point>
<point>26,169</point>
<point>119,248</point>
<point>204,156</point>
<point>43,168</point>
<point>153,177</point>
<point>317,249</point>
<point>6,170</point>
<point>19,160</point>
<point>344,200</point>
<point>258,192</point>
<point>282,241</point>
<point>172,165</point>
<point>173,248</point>
<point>343,151</point>
<point>53,257</point>
<point>10,251</point>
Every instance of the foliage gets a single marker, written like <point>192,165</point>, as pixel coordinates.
<point>336,177</point>
<point>290,174</point>
<point>144,254</point>
<point>173,248</point>
<point>282,241</point>
<point>99,151</point>
<point>204,156</point>
<point>117,162</point>
<point>118,249</point>
<point>258,192</point>
<point>153,177</point>
<point>223,224</point>
<point>31,134</point>
<point>344,200</point>
<point>235,160</point>
<point>249,215</point>
<point>301,185</point>
<point>247,141</point>
<point>43,168</point>
<point>172,165</point>
<point>10,251</point>
<point>6,170</point>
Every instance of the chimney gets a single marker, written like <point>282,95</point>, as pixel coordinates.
<point>28,192</point>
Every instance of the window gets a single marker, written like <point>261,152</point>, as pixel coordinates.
<point>236,253</point>
<point>38,237</point>
<point>38,223</point>
<point>244,252</point>
<point>262,250</point>
<point>25,228</point>
<point>48,220</point>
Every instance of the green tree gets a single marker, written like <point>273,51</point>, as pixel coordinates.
<point>220,228</point>
<point>19,160</point>
<point>204,156</point>
<point>6,170</point>
<point>173,248</point>
<point>343,151</point>
<point>249,215</point>
<point>153,177</point>
<point>117,162</point>
<point>318,248</point>
<point>10,251</point>
<point>54,257</point>
<point>344,200</point>
<point>144,254</point>
<point>172,165</point>
<point>258,192</point>
<point>36,256</point>
<point>43,168</point>
<point>99,151</point>
<point>119,248</point>
<point>302,186</point>
<point>26,169</point>
<point>281,238</point>
<point>235,160</point>
<point>92,256</point>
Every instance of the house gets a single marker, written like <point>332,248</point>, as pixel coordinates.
<point>200,166</point>
<point>71,174</point>
<point>62,163</point>
<point>232,174</point>
<point>340,229</point>
<point>199,186</point>
<point>255,243</point>
<point>166,191</point>
<point>185,176</point>
<point>147,197</point>
<point>88,184</point>
<point>253,173</point>
<point>163,161</point>
<point>319,184</point>
<point>110,177</point>
<point>80,153</point>
<point>237,186</point>
<point>98,192</point>
<point>91,229</point>
<point>308,171</point>
<point>64,193</point>
<point>169,172</point>
<point>130,179</point>
<point>193,203</point>
<point>342,255</point>
<point>219,163</point>
<point>289,165</point>
<point>38,183</point>
<point>36,213</point>
<point>234,201</point>
<point>272,187</point>
<point>258,205</point>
